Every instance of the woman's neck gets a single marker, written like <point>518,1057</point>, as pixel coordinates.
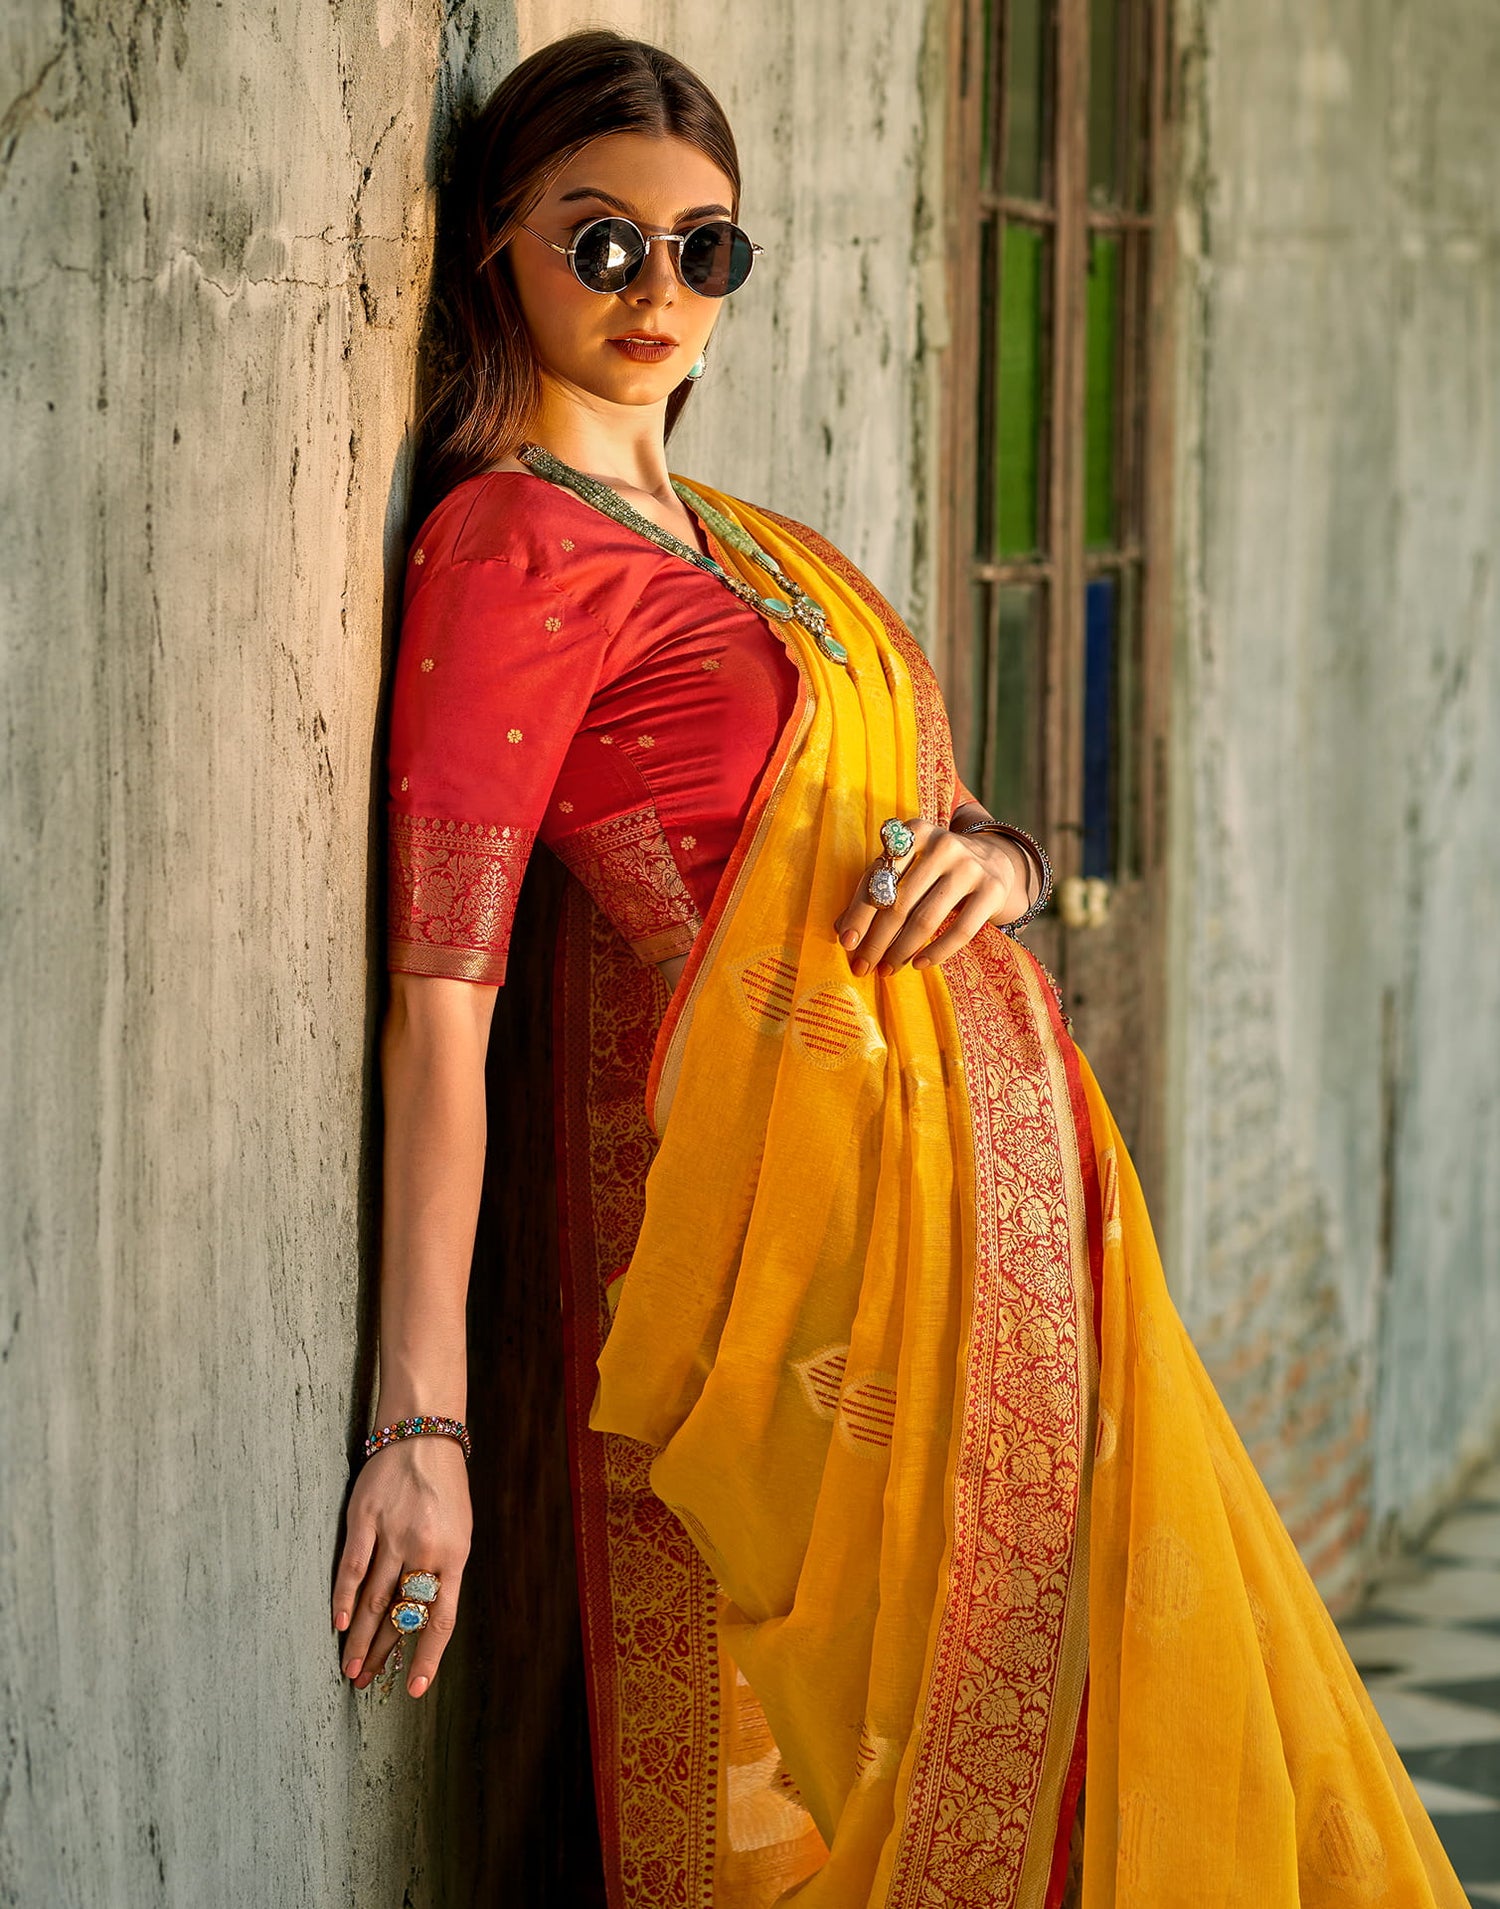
<point>622,445</point>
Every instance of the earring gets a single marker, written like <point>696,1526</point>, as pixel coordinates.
<point>699,365</point>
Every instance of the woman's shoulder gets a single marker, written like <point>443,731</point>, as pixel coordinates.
<point>515,542</point>
<point>498,516</point>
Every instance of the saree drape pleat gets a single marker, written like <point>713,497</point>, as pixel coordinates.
<point>854,1355</point>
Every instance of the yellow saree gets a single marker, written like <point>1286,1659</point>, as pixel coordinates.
<point>911,1485</point>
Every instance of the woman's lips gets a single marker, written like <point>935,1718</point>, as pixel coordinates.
<point>645,351</point>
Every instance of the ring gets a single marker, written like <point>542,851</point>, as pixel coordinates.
<point>896,841</point>
<point>409,1613</point>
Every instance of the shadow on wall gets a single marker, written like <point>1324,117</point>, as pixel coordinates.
<point>506,1787</point>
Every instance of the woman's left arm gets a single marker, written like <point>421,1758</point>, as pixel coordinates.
<point>974,879</point>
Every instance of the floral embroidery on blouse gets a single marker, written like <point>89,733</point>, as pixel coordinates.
<point>626,865</point>
<point>453,889</point>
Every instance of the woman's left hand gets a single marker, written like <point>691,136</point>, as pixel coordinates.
<point>974,878</point>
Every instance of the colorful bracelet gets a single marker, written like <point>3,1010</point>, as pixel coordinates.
<point>1032,848</point>
<point>413,1427</point>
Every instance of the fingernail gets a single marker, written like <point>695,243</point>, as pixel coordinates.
<point>417,1686</point>
<point>885,968</point>
<point>860,966</point>
<point>921,962</point>
<point>849,937</point>
<point>351,1669</point>
<point>341,1621</point>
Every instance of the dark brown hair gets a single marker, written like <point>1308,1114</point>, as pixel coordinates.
<point>482,382</point>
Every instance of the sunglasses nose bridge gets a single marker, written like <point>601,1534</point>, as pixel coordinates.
<point>668,277</point>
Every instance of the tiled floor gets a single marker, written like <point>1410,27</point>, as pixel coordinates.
<point>1428,1647</point>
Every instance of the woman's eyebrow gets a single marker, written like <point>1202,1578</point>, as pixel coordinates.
<point>608,198</point>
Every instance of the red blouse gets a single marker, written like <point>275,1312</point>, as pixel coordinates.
<point>560,676</point>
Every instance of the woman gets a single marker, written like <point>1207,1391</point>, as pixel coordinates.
<point>902,1500</point>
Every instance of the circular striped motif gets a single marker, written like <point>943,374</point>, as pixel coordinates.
<point>765,988</point>
<point>830,1025</point>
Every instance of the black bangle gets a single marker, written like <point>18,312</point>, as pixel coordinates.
<point>1033,848</point>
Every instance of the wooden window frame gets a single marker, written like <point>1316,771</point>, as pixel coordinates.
<point>1142,419</point>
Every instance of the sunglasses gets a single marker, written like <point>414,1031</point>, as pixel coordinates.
<point>607,255</point>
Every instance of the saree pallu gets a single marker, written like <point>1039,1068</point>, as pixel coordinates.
<point>903,1502</point>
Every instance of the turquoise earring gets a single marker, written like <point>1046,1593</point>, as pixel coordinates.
<point>699,365</point>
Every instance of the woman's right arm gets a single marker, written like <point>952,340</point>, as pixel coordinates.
<point>409,1509</point>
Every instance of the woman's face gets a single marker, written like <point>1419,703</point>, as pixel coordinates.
<point>631,347</point>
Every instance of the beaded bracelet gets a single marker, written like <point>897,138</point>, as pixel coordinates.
<point>1033,848</point>
<point>412,1427</point>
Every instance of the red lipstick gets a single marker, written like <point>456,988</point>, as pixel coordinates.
<point>644,347</point>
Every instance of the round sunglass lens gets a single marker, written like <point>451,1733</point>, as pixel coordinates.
<point>608,254</point>
<point>716,259</point>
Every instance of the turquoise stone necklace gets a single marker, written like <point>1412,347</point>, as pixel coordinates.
<point>794,605</point>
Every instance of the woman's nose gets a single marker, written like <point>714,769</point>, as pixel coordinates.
<point>656,282</point>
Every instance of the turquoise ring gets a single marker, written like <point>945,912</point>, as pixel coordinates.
<point>896,842</point>
<point>408,1615</point>
<point>896,838</point>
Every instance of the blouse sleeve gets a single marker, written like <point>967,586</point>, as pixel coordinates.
<point>495,670</point>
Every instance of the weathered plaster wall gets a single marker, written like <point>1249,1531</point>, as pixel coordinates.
<point>1336,997</point>
<point>214,237</point>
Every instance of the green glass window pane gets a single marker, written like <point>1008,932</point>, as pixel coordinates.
<point>1103,357</point>
<point>1107,44</point>
<point>1013,756</point>
<point>1027,33</point>
<point>1020,362</point>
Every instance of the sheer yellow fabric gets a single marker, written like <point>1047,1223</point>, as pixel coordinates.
<point>798,1331</point>
<point>1234,1756</point>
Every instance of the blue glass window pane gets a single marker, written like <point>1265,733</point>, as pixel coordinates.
<point>1100,634</point>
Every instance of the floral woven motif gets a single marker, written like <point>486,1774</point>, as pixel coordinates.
<point>1007,1679</point>
<point>626,864</point>
<point>452,898</point>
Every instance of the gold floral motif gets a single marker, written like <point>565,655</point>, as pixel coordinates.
<point>553,623</point>
<point>567,543</point>
<point>606,739</point>
<point>404,783</point>
<point>419,555</point>
<point>646,742</point>
<point>453,895</point>
<point>513,735</point>
<point>426,664</point>
<point>710,662</point>
<point>689,841</point>
<point>626,864</point>
<point>1005,1689</point>
<point>566,807</point>
<point>648,1602</point>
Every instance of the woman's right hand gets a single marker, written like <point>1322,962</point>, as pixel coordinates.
<point>409,1511</point>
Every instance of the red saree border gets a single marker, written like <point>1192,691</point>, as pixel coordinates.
<point>989,1764</point>
<point>646,1598</point>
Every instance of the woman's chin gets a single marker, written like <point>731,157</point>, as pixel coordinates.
<point>621,382</point>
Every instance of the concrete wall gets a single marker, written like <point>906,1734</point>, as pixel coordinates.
<point>1336,997</point>
<point>215,229</point>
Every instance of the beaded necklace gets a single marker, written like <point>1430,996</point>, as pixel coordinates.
<point>794,605</point>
